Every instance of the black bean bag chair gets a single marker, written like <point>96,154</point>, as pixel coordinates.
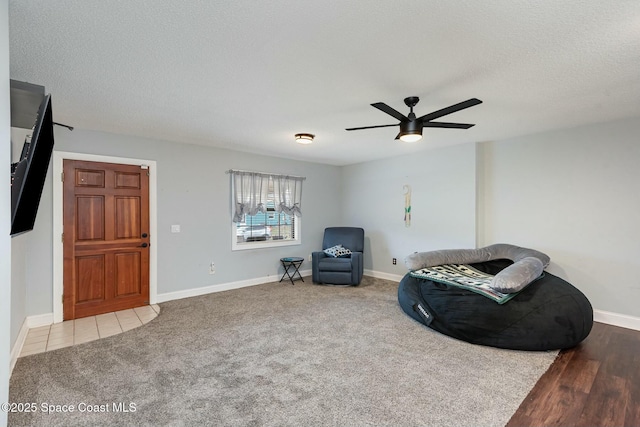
<point>548,314</point>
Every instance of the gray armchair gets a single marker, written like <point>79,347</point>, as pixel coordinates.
<point>339,271</point>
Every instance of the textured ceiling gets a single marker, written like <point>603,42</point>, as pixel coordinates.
<point>248,75</point>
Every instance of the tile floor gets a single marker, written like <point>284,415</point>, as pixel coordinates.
<point>71,332</point>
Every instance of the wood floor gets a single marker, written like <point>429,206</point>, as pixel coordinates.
<point>594,384</point>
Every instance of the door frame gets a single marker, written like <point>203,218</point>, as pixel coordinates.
<point>58,249</point>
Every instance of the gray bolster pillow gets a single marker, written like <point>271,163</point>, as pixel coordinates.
<point>528,264</point>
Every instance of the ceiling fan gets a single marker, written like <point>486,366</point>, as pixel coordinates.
<point>411,126</point>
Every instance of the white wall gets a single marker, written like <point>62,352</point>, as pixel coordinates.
<point>443,204</point>
<point>193,191</point>
<point>19,248</point>
<point>5,208</point>
<point>572,194</point>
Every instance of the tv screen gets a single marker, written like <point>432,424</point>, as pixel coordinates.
<point>27,179</point>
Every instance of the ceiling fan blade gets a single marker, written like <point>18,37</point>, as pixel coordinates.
<point>447,125</point>
<point>451,109</point>
<point>371,127</point>
<point>390,111</point>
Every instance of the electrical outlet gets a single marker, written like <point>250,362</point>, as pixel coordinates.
<point>310,259</point>
<point>212,268</point>
<point>394,261</point>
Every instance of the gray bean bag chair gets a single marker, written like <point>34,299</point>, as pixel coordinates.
<point>545,314</point>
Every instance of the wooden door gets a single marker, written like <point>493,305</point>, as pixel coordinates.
<point>106,237</point>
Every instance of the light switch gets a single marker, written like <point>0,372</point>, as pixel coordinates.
<point>175,228</point>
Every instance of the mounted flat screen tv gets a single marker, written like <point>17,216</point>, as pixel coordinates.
<point>28,174</point>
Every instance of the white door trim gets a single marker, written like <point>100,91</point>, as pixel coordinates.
<point>58,255</point>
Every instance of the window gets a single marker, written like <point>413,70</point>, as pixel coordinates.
<point>267,210</point>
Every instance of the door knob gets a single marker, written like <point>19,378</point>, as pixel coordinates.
<point>144,235</point>
<point>144,245</point>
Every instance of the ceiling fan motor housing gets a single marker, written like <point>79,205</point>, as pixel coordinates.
<point>411,126</point>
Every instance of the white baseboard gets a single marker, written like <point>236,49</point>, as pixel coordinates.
<point>17,346</point>
<point>170,296</point>
<point>30,322</point>
<point>382,275</point>
<point>39,320</point>
<point>188,293</point>
<point>616,319</point>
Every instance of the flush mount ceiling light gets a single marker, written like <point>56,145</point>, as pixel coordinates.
<point>304,138</point>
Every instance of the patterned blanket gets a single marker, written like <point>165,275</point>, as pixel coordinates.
<point>463,276</point>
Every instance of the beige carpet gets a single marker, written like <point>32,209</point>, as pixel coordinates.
<point>279,355</point>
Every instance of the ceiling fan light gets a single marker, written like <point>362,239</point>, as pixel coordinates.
<point>410,137</point>
<point>304,138</point>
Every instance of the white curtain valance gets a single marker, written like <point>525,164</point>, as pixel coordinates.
<point>287,194</point>
<point>251,190</point>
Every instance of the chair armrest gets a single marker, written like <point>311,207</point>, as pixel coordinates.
<point>315,264</point>
<point>316,257</point>
<point>357,264</point>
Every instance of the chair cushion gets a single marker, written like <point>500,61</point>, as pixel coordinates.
<point>335,264</point>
